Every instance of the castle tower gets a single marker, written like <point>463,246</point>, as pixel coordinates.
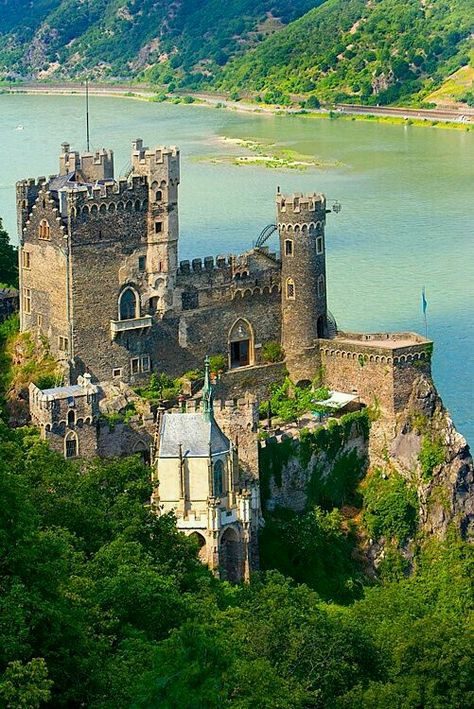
<point>161,168</point>
<point>301,220</point>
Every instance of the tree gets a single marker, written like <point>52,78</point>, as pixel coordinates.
<point>8,259</point>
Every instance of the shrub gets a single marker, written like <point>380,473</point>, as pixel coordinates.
<point>431,455</point>
<point>218,362</point>
<point>272,352</point>
<point>391,507</point>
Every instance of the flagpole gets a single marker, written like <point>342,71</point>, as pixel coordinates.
<point>424,305</point>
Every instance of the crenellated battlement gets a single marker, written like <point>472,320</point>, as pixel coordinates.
<point>160,164</point>
<point>298,203</point>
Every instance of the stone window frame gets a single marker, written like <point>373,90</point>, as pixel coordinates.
<point>142,264</point>
<point>159,196</point>
<point>27,301</point>
<point>290,290</point>
<point>39,319</point>
<point>135,365</point>
<point>289,247</point>
<point>44,230</point>
<point>71,451</point>
<point>117,372</point>
<point>63,343</point>
<point>231,338</point>
<point>319,245</point>
<point>145,364</point>
<point>158,227</point>
<point>26,260</point>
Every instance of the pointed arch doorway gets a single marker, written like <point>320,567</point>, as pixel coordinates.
<point>241,344</point>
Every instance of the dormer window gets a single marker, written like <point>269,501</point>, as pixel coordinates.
<point>44,231</point>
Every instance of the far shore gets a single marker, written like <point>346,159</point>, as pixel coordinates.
<point>461,118</point>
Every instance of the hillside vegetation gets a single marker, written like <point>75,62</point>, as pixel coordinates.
<point>278,51</point>
<point>124,38</point>
<point>380,51</point>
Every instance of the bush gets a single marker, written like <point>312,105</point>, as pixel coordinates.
<point>272,352</point>
<point>431,455</point>
<point>218,362</point>
<point>391,507</point>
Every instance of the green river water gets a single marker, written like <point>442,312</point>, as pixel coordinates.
<point>407,198</point>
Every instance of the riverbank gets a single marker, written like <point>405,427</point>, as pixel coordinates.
<point>462,119</point>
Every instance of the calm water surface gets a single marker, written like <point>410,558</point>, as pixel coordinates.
<point>407,196</point>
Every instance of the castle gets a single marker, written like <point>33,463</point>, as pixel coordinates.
<point>101,280</point>
<point>100,274</point>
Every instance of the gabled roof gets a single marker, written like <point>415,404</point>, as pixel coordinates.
<point>197,433</point>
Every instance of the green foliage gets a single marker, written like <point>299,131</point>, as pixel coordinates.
<point>198,37</point>
<point>161,387</point>
<point>337,484</point>
<point>218,363</point>
<point>8,260</point>
<point>390,507</point>
<point>322,394</point>
<point>273,457</point>
<point>312,548</point>
<point>432,454</point>
<point>25,685</point>
<point>347,51</point>
<point>272,351</point>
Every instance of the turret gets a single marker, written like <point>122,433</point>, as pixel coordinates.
<point>161,168</point>
<point>301,220</point>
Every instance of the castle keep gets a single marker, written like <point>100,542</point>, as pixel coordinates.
<point>100,274</point>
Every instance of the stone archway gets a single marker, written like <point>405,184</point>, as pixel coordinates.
<point>230,556</point>
<point>241,344</point>
<point>201,543</point>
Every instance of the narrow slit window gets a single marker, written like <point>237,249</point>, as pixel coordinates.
<point>288,247</point>
<point>290,289</point>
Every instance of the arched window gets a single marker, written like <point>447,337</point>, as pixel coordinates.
<point>290,289</point>
<point>218,478</point>
<point>128,305</point>
<point>70,445</point>
<point>71,418</point>
<point>321,286</point>
<point>44,231</point>
<point>288,247</point>
<point>158,196</point>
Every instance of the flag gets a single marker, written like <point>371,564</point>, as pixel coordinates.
<point>424,303</point>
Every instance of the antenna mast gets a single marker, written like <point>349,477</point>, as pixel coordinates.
<point>87,116</point>
<point>87,90</point>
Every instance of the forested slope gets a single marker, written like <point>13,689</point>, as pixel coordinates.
<point>352,50</point>
<point>122,38</point>
<point>376,51</point>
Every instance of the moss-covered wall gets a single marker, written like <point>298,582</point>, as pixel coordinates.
<point>321,467</point>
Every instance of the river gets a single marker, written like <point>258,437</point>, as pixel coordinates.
<point>407,216</point>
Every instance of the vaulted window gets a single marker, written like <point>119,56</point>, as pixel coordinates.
<point>218,478</point>
<point>128,305</point>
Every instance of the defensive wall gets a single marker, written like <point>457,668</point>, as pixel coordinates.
<point>321,467</point>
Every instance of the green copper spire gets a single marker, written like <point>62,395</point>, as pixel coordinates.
<point>207,409</point>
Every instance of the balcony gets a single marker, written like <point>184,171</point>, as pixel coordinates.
<point>118,326</point>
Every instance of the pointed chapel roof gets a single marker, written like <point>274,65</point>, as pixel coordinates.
<point>197,433</point>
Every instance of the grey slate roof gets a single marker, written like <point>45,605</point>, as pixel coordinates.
<point>195,432</point>
<point>65,392</point>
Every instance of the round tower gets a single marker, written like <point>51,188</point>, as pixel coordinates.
<point>301,220</point>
